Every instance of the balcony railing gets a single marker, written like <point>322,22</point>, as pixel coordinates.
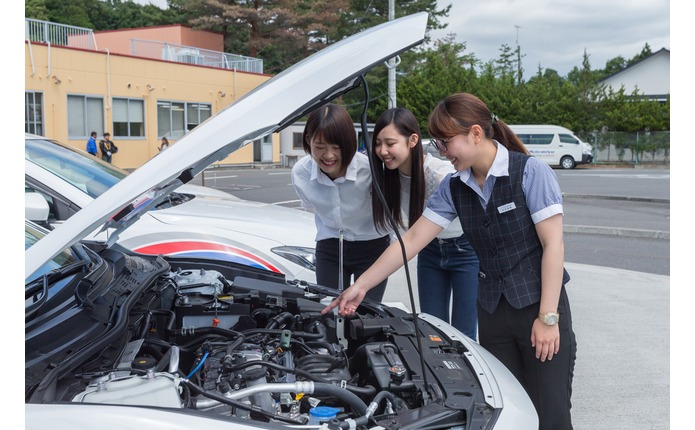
<point>58,34</point>
<point>77,37</point>
<point>193,55</point>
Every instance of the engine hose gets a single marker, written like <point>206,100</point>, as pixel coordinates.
<point>208,330</point>
<point>227,361</point>
<point>279,320</point>
<point>307,387</point>
<point>170,320</point>
<point>301,334</point>
<point>366,391</point>
<point>317,327</point>
<point>395,401</point>
<point>239,405</point>
<point>347,424</point>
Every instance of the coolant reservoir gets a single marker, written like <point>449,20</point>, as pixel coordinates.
<point>154,389</point>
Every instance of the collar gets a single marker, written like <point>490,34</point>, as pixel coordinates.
<point>500,165</point>
<point>322,178</point>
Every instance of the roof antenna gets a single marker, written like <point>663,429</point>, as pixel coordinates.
<point>380,194</point>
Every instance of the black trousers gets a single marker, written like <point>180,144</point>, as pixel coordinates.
<point>358,256</point>
<point>506,333</point>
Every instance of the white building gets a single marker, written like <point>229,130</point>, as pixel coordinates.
<point>650,76</point>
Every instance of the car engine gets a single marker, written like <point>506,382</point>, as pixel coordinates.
<point>252,347</point>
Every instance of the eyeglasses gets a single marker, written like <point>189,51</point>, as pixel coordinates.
<point>440,144</point>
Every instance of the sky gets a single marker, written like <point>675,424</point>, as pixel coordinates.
<point>555,33</point>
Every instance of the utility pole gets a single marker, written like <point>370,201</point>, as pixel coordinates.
<point>391,67</point>
<point>518,56</point>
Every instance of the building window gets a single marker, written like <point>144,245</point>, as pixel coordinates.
<point>33,113</point>
<point>174,119</point>
<point>85,115</point>
<point>297,141</point>
<point>128,118</point>
<point>196,114</point>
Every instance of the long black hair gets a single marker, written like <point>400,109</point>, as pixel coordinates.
<point>389,180</point>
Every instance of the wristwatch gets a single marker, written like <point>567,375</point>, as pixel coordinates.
<point>550,318</point>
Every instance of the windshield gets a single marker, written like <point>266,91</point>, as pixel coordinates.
<point>83,171</point>
<point>32,234</point>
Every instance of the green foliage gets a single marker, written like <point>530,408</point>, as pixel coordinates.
<point>282,32</point>
<point>100,15</point>
<point>36,9</point>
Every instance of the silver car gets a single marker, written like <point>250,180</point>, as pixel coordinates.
<point>120,340</point>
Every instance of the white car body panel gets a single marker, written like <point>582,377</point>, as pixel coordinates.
<point>214,224</point>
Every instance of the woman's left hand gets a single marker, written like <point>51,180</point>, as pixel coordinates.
<point>546,340</point>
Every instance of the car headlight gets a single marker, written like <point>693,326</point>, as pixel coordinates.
<point>303,256</point>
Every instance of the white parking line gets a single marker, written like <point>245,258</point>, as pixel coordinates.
<point>220,177</point>
<point>286,202</point>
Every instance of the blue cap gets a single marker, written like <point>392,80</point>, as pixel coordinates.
<point>324,412</point>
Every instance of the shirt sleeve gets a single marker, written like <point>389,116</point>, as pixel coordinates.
<point>298,182</point>
<point>440,207</point>
<point>542,190</point>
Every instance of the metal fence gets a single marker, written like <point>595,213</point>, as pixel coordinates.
<point>630,147</point>
<point>59,34</point>
<point>193,55</point>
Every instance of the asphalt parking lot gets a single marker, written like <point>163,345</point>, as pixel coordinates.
<point>621,321</point>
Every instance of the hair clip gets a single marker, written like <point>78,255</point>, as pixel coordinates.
<point>493,118</point>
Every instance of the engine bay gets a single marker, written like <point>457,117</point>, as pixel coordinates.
<point>244,346</point>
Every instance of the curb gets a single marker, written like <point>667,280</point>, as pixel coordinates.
<point>617,231</point>
<point>626,198</point>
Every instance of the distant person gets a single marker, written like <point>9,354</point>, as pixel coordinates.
<point>510,207</point>
<point>92,143</point>
<point>165,144</point>
<point>335,181</point>
<point>107,147</point>
<point>447,268</point>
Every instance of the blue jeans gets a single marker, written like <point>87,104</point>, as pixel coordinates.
<point>448,268</point>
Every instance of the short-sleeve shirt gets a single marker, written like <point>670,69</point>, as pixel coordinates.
<point>435,171</point>
<point>540,186</point>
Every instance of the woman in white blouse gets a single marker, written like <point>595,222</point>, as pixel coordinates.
<point>335,183</point>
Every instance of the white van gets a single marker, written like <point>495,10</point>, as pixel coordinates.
<point>555,145</point>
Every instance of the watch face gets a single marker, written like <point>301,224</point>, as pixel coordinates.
<point>551,319</point>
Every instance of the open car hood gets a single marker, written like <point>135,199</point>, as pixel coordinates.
<point>270,107</point>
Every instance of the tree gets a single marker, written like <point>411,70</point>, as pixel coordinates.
<point>362,14</point>
<point>646,52</point>
<point>281,32</point>
<point>438,72</point>
<point>71,12</point>
<point>36,9</point>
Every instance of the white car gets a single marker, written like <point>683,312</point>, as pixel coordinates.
<point>194,221</point>
<point>120,340</point>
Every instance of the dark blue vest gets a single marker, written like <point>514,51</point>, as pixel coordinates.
<point>506,243</point>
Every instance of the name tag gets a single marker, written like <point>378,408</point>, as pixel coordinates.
<point>506,208</point>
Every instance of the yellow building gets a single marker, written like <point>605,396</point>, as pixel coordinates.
<point>137,84</point>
